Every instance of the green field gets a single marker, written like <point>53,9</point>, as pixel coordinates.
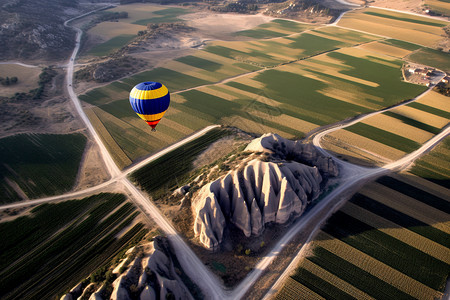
<point>58,245</point>
<point>431,57</point>
<point>384,137</point>
<point>434,166</point>
<point>413,122</point>
<point>173,169</point>
<point>275,28</point>
<point>406,19</point>
<point>201,63</point>
<point>167,15</point>
<point>401,258</point>
<point>39,165</point>
<point>113,44</point>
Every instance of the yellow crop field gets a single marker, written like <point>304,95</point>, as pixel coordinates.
<point>253,126</point>
<point>396,126</point>
<point>436,100</point>
<point>248,80</point>
<point>295,290</point>
<point>217,93</point>
<point>385,49</point>
<point>333,279</point>
<point>413,32</point>
<point>375,267</point>
<point>351,155</point>
<point>421,116</point>
<point>287,121</point>
<point>439,6</point>
<point>396,231</point>
<point>344,35</point>
<point>363,144</point>
<point>119,156</point>
<point>346,96</point>
<point>108,30</point>
<point>409,206</point>
<point>28,78</point>
<point>138,11</point>
<point>189,70</point>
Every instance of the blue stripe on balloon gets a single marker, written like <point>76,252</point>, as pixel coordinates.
<point>149,85</point>
<point>150,107</point>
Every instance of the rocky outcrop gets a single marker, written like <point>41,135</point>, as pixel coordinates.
<point>261,192</point>
<point>151,275</point>
<point>294,150</point>
<point>249,198</point>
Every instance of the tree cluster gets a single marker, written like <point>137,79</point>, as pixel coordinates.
<point>443,88</point>
<point>238,7</point>
<point>111,16</point>
<point>8,80</point>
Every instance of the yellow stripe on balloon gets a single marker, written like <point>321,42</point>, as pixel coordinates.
<point>152,117</point>
<point>149,94</point>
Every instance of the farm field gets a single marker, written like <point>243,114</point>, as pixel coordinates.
<point>435,166</point>
<point>141,13</point>
<point>173,169</point>
<point>390,241</point>
<point>59,245</point>
<point>115,35</point>
<point>396,25</point>
<point>404,128</point>
<point>29,164</point>
<point>275,28</point>
<point>439,6</point>
<point>321,63</point>
<point>27,79</point>
<point>431,57</point>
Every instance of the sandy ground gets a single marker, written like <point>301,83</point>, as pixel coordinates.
<point>221,26</point>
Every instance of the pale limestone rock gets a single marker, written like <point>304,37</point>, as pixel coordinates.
<point>275,144</point>
<point>171,286</point>
<point>85,291</point>
<point>210,220</point>
<point>240,214</point>
<point>260,193</point>
<point>120,292</point>
<point>148,294</point>
<point>256,218</point>
<point>98,294</point>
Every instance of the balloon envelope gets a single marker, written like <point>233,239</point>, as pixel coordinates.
<point>150,100</point>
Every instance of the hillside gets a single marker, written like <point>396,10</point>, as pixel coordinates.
<point>35,29</point>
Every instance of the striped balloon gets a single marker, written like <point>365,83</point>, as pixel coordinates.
<point>150,100</point>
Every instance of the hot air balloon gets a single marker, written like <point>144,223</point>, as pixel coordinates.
<point>150,100</point>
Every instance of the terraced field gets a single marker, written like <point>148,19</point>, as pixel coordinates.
<point>414,29</point>
<point>44,254</point>
<point>30,163</point>
<point>390,241</point>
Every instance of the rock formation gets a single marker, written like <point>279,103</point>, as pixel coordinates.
<point>150,276</point>
<point>261,192</point>
<point>153,275</point>
<point>294,150</point>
